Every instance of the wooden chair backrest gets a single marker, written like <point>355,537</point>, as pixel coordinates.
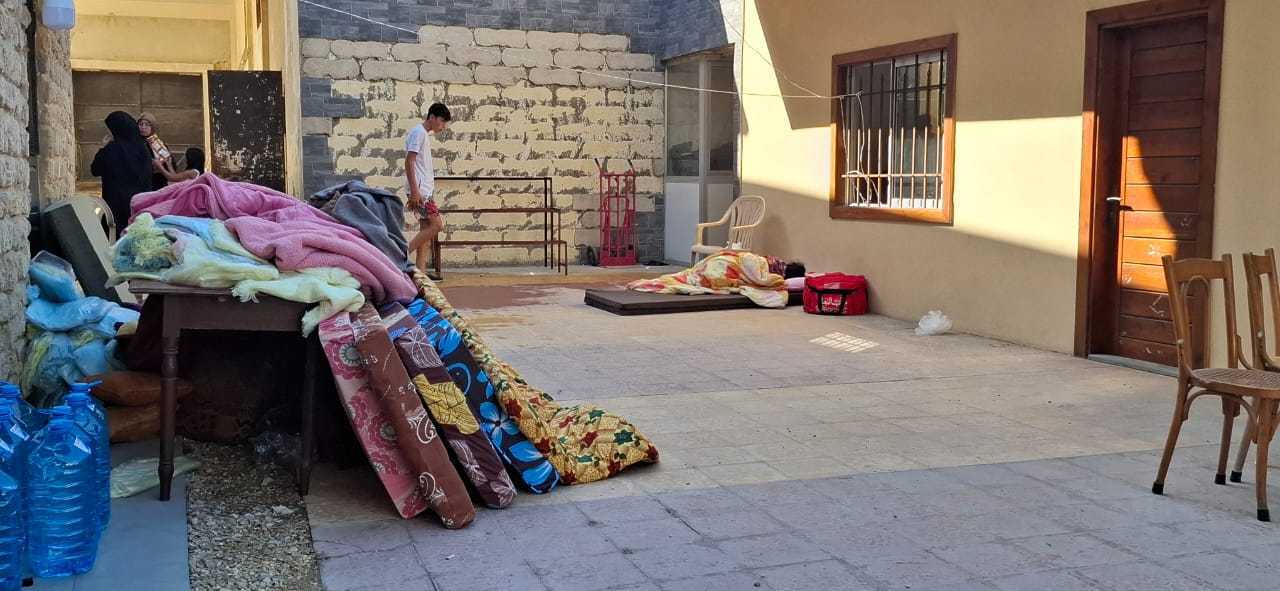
<point>1256,266</point>
<point>1180,277</point>
<point>745,214</point>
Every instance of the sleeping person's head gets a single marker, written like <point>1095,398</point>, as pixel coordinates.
<point>793,269</point>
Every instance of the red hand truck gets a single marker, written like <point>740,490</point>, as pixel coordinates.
<point>617,216</point>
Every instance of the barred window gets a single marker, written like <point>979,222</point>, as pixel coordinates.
<point>894,132</point>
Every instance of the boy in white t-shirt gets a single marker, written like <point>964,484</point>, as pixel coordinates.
<point>421,181</point>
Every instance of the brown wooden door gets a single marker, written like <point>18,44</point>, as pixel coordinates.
<point>1160,123</point>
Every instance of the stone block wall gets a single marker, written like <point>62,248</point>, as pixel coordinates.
<point>521,108</point>
<point>15,184</point>
<point>57,141</point>
<point>642,20</point>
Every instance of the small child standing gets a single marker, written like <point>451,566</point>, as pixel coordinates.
<point>421,180</point>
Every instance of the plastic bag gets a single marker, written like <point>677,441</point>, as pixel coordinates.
<point>933,323</point>
<point>65,316</point>
<point>55,278</point>
<point>271,447</point>
<point>91,358</point>
<point>138,475</point>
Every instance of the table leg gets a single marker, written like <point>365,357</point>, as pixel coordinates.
<point>311,372</point>
<point>168,408</point>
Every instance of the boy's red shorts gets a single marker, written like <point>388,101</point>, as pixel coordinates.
<point>428,208</point>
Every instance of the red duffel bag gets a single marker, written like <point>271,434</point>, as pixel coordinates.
<point>835,294</point>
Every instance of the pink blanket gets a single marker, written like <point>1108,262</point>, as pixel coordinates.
<point>277,227</point>
<point>208,196</point>
<point>294,245</point>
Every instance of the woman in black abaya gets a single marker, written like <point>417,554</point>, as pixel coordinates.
<point>124,165</point>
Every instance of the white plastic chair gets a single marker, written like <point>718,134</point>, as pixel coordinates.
<point>745,213</point>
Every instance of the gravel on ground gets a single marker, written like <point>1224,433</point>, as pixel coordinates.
<point>247,525</point>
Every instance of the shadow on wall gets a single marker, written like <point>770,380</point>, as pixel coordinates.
<point>1005,73</point>
<point>1017,292</point>
<point>1018,141</point>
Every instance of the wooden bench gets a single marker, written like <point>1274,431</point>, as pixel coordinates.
<point>555,250</point>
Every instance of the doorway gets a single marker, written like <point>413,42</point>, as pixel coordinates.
<point>701,133</point>
<point>176,101</point>
<point>1150,152</point>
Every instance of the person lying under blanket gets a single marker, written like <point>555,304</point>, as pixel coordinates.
<point>761,278</point>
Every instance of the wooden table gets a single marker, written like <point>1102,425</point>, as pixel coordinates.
<point>194,308</point>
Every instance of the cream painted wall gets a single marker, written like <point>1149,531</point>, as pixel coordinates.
<point>151,41</point>
<point>1247,212</point>
<point>283,53</point>
<point>1007,266</point>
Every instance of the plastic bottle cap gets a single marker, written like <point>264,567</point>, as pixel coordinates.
<point>76,399</point>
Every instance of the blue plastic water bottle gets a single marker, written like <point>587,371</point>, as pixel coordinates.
<point>62,540</point>
<point>16,437</point>
<point>11,395</point>
<point>12,532</point>
<point>48,414</point>
<point>95,405</point>
<point>82,413</point>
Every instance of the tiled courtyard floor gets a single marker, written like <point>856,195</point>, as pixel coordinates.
<point>806,452</point>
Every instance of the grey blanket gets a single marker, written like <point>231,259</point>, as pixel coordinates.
<point>378,214</point>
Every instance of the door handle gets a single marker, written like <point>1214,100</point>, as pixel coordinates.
<point>1114,206</point>
<point>1117,204</point>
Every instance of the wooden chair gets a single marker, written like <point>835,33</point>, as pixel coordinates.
<point>1236,387</point>
<point>1256,267</point>
<point>744,215</point>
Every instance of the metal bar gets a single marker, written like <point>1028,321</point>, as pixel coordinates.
<point>939,154</point>
<point>905,174</point>
<point>492,178</point>
<point>924,199</point>
<point>902,163</point>
<point>913,166</point>
<point>549,201</point>
<point>928,114</point>
<point>915,113</point>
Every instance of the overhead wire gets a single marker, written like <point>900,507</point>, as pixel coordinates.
<point>844,113</point>
<point>856,96</point>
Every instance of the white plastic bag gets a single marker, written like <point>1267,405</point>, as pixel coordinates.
<point>139,474</point>
<point>933,323</point>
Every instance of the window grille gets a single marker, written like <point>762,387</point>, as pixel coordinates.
<point>894,130</point>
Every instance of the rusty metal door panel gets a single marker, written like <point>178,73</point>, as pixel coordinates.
<point>246,124</point>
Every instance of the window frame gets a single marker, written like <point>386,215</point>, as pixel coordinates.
<point>704,60</point>
<point>838,208</point>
